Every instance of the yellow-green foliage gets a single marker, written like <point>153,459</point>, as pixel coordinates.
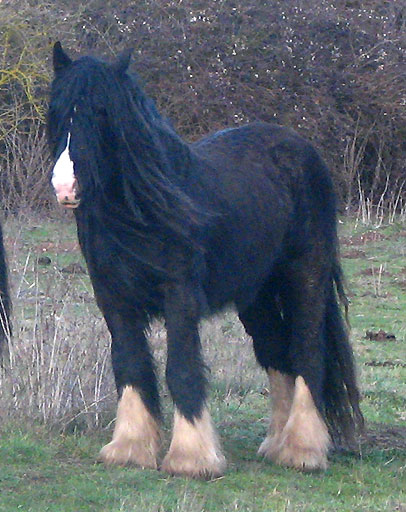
<point>24,81</point>
<point>22,75</point>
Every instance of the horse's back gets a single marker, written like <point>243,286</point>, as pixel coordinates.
<point>253,143</point>
<point>267,169</point>
<point>261,177</point>
<point>266,161</point>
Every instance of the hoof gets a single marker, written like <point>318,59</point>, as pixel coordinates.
<point>136,437</point>
<point>128,453</point>
<point>270,447</point>
<point>193,466</point>
<point>294,453</point>
<point>299,457</point>
<point>304,441</point>
<point>195,450</point>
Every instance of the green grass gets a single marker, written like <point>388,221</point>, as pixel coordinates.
<point>58,473</point>
<point>49,441</point>
<point>377,281</point>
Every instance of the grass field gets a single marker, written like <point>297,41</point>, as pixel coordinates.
<point>57,398</point>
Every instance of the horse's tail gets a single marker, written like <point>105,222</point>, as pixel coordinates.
<point>5,303</point>
<point>341,393</point>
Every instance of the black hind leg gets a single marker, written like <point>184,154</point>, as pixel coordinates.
<point>264,322</point>
<point>289,343</point>
<point>305,438</point>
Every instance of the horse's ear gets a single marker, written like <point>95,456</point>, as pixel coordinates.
<point>122,61</point>
<point>60,59</point>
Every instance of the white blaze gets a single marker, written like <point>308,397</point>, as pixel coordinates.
<point>63,175</point>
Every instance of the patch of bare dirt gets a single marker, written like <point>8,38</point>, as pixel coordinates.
<point>44,261</point>
<point>400,283</point>
<point>365,238</point>
<point>387,437</point>
<point>354,254</point>
<point>74,268</point>
<point>380,295</point>
<point>400,234</point>
<point>380,335</point>
<point>374,271</point>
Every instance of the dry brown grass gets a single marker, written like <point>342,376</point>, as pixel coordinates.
<point>58,367</point>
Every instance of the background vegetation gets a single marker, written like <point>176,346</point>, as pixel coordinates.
<point>333,70</point>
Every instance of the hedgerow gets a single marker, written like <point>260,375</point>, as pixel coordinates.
<point>333,70</point>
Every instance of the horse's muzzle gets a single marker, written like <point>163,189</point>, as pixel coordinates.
<point>68,195</point>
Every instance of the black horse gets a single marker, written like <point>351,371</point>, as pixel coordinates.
<point>245,216</point>
<point>5,303</point>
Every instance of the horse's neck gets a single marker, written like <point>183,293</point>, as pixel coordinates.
<point>180,155</point>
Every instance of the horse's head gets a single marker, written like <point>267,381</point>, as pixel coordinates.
<point>81,127</point>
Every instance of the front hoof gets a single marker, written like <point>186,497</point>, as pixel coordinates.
<point>303,459</point>
<point>127,453</point>
<point>182,464</point>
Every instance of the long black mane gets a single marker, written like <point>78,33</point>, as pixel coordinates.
<point>154,162</point>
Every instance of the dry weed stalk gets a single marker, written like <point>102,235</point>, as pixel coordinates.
<point>56,369</point>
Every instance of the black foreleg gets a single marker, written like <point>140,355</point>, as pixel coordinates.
<point>131,358</point>
<point>185,370</point>
<point>136,434</point>
<point>194,448</point>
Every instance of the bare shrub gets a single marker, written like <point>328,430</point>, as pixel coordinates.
<point>333,71</point>
<point>24,182</point>
<point>23,81</point>
<point>56,369</point>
